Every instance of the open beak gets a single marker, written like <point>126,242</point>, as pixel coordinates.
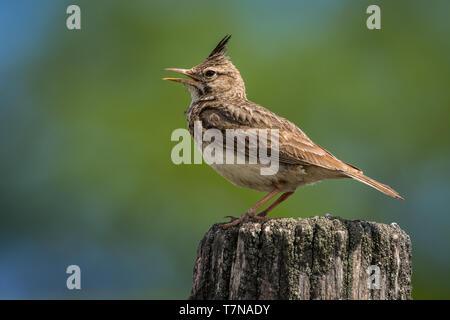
<point>185,72</point>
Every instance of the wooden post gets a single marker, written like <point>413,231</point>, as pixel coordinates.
<point>314,258</point>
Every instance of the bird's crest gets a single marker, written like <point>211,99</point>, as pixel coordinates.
<point>221,48</point>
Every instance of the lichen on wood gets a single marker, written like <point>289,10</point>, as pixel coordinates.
<point>314,258</point>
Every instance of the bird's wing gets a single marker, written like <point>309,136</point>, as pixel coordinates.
<point>295,147</point>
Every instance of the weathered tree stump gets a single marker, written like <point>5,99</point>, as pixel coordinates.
<point>314,258</point>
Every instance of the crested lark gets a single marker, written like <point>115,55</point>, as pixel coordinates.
<point>219,102</point>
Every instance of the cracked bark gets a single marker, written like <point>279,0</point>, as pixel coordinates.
<point>314,258</point>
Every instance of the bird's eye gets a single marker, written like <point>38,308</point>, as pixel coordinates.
<point>210,73</point>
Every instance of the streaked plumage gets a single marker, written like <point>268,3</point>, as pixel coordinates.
<point>219,102</point>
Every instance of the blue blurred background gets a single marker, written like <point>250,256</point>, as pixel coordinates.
<point>85,120</point>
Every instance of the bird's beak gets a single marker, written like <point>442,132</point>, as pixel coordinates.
<point>185,72</point>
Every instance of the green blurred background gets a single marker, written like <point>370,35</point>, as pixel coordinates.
<point>85,120</point>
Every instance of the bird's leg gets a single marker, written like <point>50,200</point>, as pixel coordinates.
<point>250,214</point>
<point>262,214</point>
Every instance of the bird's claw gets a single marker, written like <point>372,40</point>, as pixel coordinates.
<point>244,218</point>
<point>235,221</point>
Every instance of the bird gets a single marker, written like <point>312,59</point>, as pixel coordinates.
<point>219,101</point>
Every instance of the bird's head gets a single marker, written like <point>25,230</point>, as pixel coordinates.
<point>216,76</point>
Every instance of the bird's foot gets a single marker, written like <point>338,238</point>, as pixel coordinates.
<point>244,218</point>
<point>235,221</point>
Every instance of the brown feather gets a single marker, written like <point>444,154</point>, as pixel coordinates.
<point>221,48</point>
<point>375,184</point>
<point>220,102</point>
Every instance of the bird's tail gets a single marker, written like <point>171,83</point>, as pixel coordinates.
<point>374,184</point>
